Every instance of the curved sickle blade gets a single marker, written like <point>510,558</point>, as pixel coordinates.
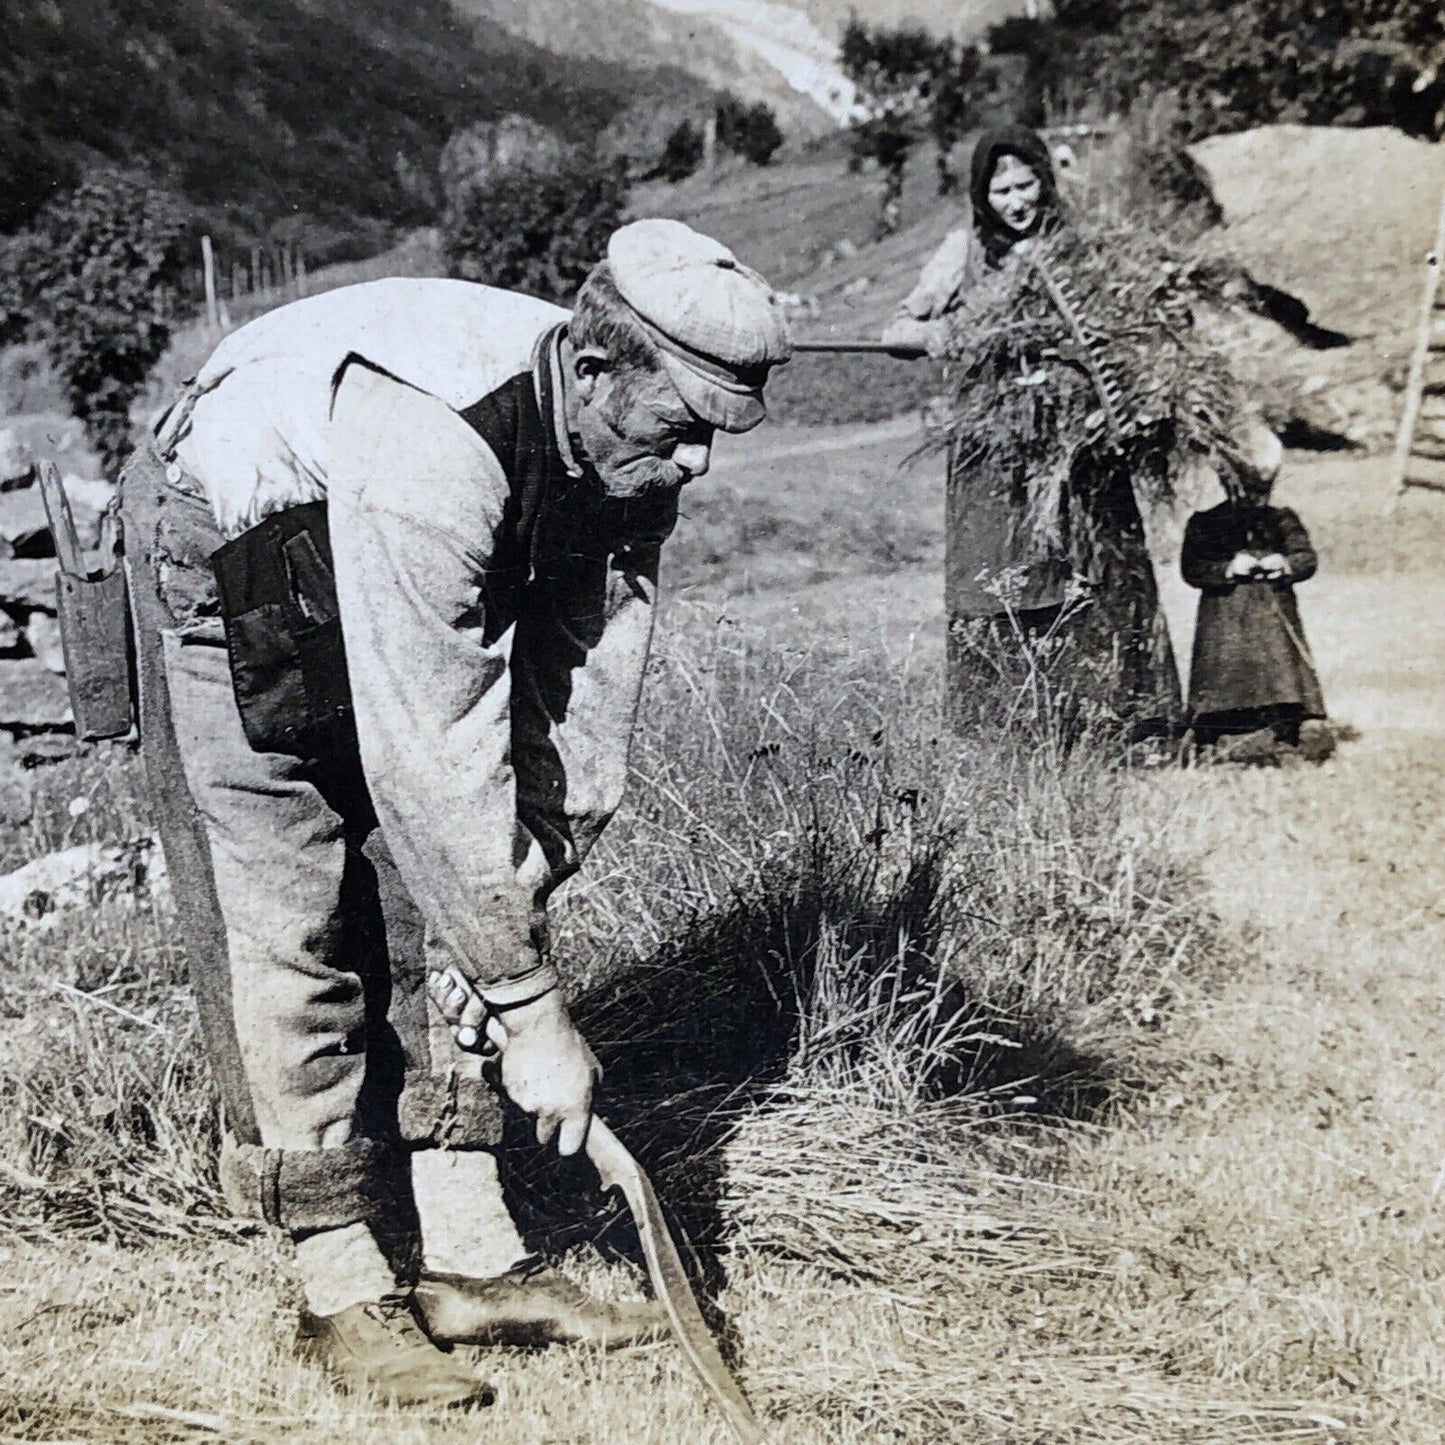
<point>619,1170</point>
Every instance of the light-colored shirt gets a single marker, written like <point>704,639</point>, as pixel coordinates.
<point>921,317</point>
<point>945,275</point>
<point>260,429</point>
<point>494,740</point>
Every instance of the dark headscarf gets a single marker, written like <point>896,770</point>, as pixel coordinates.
<point>1029,147</point>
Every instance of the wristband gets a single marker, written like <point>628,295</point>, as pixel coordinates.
<point>510,993</point>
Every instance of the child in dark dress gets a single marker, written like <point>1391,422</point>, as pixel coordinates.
<point>1252,671</point>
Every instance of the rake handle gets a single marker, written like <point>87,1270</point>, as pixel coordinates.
<point>860,348</point>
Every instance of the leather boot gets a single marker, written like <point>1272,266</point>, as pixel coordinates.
<point>380,1346</point>
<point>531,1304</point>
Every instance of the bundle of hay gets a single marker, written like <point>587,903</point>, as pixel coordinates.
<point>1081,356</point>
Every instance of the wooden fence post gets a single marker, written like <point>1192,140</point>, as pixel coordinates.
<point>709,143</point>
<point>208,270</point>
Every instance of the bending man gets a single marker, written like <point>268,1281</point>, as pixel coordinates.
<point>394,566</point>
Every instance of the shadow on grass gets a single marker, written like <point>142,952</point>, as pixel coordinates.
<point>708,1028</point>
<point>686,1040</point>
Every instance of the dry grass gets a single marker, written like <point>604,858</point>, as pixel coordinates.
<point>991,1129</point>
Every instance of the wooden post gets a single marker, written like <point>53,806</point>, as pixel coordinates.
<point>709,142</point>
<point>285,256</point>
<point>208,269</point>
<point>92,612</point>
<point>255,269</point>
<point>1415,382</point>
<point>300,270</point>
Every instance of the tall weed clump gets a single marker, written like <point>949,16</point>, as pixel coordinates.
<point>821,926</point>
<point>107,1118</point>
<point>798,816</point>
<point>838,962</point>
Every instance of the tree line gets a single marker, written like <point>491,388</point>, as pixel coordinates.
<point>99,274</point>
<point>1232,64</point>
<point>1225,65</point>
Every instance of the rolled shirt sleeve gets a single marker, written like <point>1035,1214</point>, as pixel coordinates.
<point>416,499</point>
<point>941,279</point>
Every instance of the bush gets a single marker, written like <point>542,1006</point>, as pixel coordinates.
<point>1241,63</point>
<point>96,279</point>
<point>478,151</point>
<point>909,84</point>
<point>750,131</point>
<point>537,228</point>
<point>682,154</point>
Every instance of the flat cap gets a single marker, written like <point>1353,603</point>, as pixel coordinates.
<point>716,322</point>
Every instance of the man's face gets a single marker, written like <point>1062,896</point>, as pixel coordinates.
<point>638,434</point>
<point>1014,193</point>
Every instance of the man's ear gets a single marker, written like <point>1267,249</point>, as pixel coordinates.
<point>589,364</point>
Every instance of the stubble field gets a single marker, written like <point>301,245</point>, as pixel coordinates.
<point>1005,1093</point>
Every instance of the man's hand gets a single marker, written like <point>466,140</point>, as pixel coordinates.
<point>1241,565</point>
<point>548,1070</point>
<point>1273,567</point>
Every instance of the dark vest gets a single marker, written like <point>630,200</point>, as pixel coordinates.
<point>512,424</point>
<point>277,589</point>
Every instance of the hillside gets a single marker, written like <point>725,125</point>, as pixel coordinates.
<point>646,35</point>
<point>783,54</point>
<point>330,113</point>
<point>944,17</point>
<point>322,120</point>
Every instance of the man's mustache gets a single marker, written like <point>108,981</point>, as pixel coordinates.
<point>651,474</point>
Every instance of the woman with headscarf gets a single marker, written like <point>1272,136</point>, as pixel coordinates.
<point>1015,557</point>
<point>1013,196</point>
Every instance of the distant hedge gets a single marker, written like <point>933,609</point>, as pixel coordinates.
<point>1232,64</point>
<point>536,227</point>
<point>96,280</point>
<point>750,131</point>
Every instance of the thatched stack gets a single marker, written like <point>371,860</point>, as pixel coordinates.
<point>1337,221</point>
<point>34,704</point>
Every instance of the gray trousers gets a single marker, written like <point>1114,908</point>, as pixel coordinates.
<point>307,956</point>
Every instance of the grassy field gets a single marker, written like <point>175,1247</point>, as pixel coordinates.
<point>1004,1094</point>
